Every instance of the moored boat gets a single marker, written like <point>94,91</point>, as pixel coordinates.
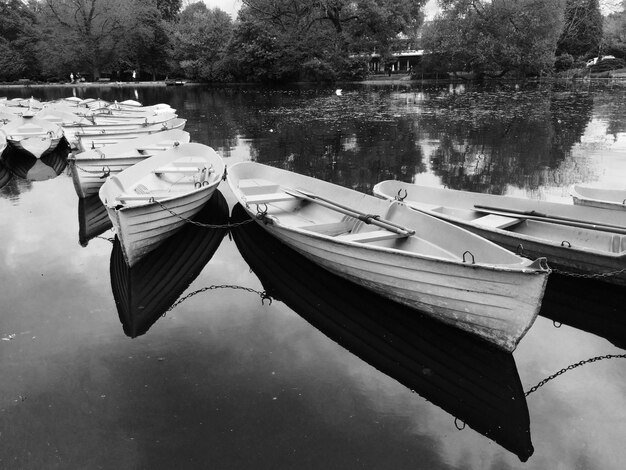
<point>145,292</point>
<point>150,200</point>
<point>475,382</point>
<point>406,256</point>
<point>32,136</point>
<point>89,169</point>
<point>575,239</point>
<point>603,198</point>
<point>88,139</point>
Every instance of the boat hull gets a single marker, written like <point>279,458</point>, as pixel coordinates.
<point>495,303</point>
<point>612,199</point>
<point>569,250</point>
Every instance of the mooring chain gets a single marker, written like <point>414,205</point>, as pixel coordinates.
<point>200,224</point>
<point>590,276</point>
<point>264,295</point>
<point>104,172</point>
<point>520,252</point>
<point>573,366</point>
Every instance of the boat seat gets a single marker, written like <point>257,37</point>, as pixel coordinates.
<point>177,169</point>
<point>495,221</point>
<point>372,236</point>
<point>267,198</point>
<point>254,186</point>
<point>331,229</point>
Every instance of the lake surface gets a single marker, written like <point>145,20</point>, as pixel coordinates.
<point>325,376</point>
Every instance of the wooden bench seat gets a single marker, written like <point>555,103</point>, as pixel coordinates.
<point>331,229</point>
<point>496,221</point>
<point>267,198</point>
<point>372,236</point>
<point>177,169</point>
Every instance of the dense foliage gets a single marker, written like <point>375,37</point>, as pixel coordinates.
<point>287,40</point>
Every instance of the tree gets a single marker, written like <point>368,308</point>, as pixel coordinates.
<point>288,39</point>
<point>494,37</point>
<point>147,45</point>
<point>201,36</point>
<point>18,41</point>
<point>87,32</point>
<point>582,28</point>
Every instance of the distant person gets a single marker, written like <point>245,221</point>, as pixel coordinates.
<point>71,77</point>
<point>134,76</point>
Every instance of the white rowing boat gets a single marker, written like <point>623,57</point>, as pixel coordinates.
<point>152,199</point>
<point>604,198</point>
<point>31,135</point>
<point>88,140</point>
<point>575,239</point>
<point>410,257</point>
<point>89,169</point>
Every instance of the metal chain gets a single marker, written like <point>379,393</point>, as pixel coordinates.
<point>573,366</point>
<point>91,171</point>
<point>520,252</point>
<point>200,224</point>
<point>264,295</point>
<point>590,276</point>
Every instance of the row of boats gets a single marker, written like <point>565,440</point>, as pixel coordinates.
<point>476,383</point>
<point>475,261</point>
<point>478,263</point>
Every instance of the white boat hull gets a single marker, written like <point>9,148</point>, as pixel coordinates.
<point>612,199</point>
<point>571,250</point>
<point>151,200</point>
<point>90,169</point>
<point>497,302</point>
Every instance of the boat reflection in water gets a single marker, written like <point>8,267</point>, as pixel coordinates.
<point>468,378</point>
<point>588,305</point>
<point>92,219</point>
<point>5,174</point>
<point>145,291</point>
<point>26,166</point>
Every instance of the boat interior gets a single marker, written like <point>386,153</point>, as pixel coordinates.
<point>557,233</point>
<point>177,177</point>
<point>298,211</point>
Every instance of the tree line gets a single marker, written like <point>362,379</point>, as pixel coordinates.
<point>290,40</point>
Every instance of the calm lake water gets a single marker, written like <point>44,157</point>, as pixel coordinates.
<point>326,375</point>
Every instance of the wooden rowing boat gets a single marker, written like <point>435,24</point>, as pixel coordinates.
<point>475,382</point>
<point>404,255</point>
<point>32,136</point>
<point>89,169</point>
<point>73,132</point>
<point>87,140</point>
<point>145,292</point>
<point>150,200</point>
<point>603,198</point>
<point>574,239</point>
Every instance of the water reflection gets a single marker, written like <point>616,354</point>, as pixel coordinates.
<point>144,292</point>
<point>93,219</point>
<point>26,166</point>
<point>488,140</point>
<point>5,175</point>
<point>588,305</point>
<point>474,382</point>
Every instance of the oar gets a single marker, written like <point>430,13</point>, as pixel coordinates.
<point>367,218</point>
<point>533,215</point>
